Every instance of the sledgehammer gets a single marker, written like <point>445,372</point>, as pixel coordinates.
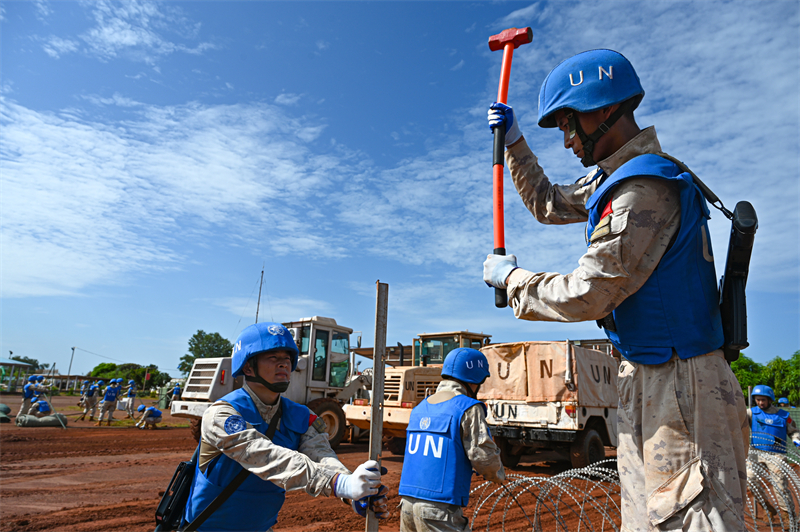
<point>507,41</point>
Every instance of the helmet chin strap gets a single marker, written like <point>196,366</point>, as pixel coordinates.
<point>278,387</point>
<point>589,141</point>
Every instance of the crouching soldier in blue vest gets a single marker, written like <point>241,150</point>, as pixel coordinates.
<point>282,444</point>
<point>770,431</point>
<point>150,417</point>
<point>43,408</point>
<point>647,277</point>
<point>447,437</point>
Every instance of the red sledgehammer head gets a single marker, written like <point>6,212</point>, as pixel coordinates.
<point>515,36</point>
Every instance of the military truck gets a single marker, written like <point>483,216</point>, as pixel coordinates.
<point>406,385</point>
<point>322,380</point>
<point>559,396</point>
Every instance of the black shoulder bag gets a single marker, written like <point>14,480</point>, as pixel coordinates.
<point>170,509</point>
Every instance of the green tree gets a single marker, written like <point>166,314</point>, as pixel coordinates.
<point>204,345</point>
<point>748,372</point>
<point>35,365</point>
<point>107,370</point>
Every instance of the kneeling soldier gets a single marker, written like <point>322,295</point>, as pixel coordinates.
<point>447,437</point>
<point>235,434</point>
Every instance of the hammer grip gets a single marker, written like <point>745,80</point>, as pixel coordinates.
<point>500,294</point>
<point>499,147</point>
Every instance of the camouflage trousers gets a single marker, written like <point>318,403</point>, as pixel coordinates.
<point>418,515</point>
<point>90,406</point>
<point>108,407</point>
<point>26,406</point>
<point>768,478</point>
<point>683,438</point>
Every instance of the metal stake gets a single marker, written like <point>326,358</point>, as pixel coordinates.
<point>379,362</point>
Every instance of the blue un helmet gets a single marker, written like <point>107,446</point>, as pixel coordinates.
<point>588,82</point>
<point>141,407</point>
<point>32,378</point>
<point>40,378</point>
<point>783,401</point>
<point>466,365</point>
<point>765,391</point>
<point>131,381</point>
<point>101,383</point>
<point>263,338</point>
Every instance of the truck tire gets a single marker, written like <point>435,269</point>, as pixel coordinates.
<point>332,414</point>
<point>508,459</point>
<point>587,449</point>
<point>397,446</point>
<point>194,428</point>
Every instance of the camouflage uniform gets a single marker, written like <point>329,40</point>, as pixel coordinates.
<point>774,464</point>
<point>107,407</point>
<point>426,516</point>
<point>311,467</point>
<point>681,468</point>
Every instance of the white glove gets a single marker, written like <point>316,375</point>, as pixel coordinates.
<point>500,113</point>
<point>362,483</point>
<point>497,268</point>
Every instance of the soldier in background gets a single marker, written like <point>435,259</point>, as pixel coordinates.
<point>27,396</point>
<point>109,404</point>
<point>447,438</point>
<point>130,393</point>
<point>648,278</point>
<point>176,393</point>
<point>90,401</point>
<point>770,430</point>
<point>150,417</point>
<point>43,408</point>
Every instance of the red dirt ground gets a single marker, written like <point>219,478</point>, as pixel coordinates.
<point>89,478</point>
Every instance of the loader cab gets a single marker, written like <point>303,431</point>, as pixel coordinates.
<point>324,361</point>
<point>432,349</point>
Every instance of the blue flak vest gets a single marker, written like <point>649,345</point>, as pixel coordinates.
<point>111,394</point>
<point>256,503</point>
<point>152,412</point>
<point>132,392</point>
<point>435,466</point>
<point>27,391</point>
<point>678,306</point>
<point>768,432</point>
<point>92,390</point>
<point>44,407</point>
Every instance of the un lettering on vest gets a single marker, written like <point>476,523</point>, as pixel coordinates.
<point>430,445</point>
<point>600,72</point>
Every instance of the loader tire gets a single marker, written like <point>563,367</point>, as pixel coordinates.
<point>586,449</point>
<point>508,459</point>
<point>194,428</point>
<point>397,446</point>
<point>332,414</point>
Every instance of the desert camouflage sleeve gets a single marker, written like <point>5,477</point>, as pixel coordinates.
<point>549,204</point>
<point>292,470</point>
<point>482,452</point>
<point>646,214</point>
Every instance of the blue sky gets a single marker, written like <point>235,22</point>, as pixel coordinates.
<point>155,155</point>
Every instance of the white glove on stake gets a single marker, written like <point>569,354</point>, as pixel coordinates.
<point>362,483</point>
<point>497,268</point>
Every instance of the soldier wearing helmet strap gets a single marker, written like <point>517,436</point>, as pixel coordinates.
<point>130,395</point>
<point>447,437</point>
<point>297,456</point>
<point>647,277</point>
<point>150,417</point>
<point>109,404</point>
<point>771,430</point>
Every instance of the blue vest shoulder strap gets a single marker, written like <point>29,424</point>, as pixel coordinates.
<point>647,165</point>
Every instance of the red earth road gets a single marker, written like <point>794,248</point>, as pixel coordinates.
<point>89,478</point>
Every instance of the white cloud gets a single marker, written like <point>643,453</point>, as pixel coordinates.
<point>322,45</point>
<point>287,99</point>
<point>458,65</point>
<point>55,47</point>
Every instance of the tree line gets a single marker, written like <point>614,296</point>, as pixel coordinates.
<point>783,376</point>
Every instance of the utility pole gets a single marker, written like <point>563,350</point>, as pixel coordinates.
<point>259,293</point>
<point>69,371</point>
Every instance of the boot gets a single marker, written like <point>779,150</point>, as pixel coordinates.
<point>109,423</point>
<point>91,418</point>
<point>81,418</point>
<point>99,423</point>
